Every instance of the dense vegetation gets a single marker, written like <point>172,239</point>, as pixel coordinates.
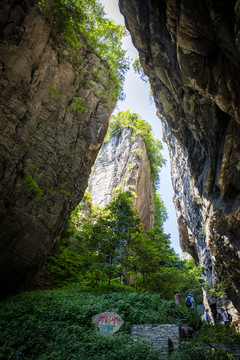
<point>76,19</point>
<point>192,350</point>
<point>203,345</point>
<point>107,245</point>
<point>217,334</point>
<point>56,324</point>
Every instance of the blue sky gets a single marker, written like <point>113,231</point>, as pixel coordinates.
<point>138,100</point>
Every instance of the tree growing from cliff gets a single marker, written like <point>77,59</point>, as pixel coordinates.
<point>137,67</point>
<point>75,19</point>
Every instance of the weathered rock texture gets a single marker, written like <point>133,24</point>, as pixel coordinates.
<point>190,51</point>
<point>47,147</point>
<point>123,161</point>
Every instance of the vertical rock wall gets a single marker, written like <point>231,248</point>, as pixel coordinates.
<point>123,161</point>
<point>54,115</point>
<point>190,52</point>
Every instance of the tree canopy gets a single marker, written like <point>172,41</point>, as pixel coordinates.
<point>109,245</point>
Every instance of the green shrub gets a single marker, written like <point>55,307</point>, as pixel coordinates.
<point>56,324</point>
<point>77,105</point>
<point>32,185</point>
<point>217,334</point>
<point>191,350</point>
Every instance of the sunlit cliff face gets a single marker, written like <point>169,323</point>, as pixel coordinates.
<point>190,52</point>
<point>124,163</point>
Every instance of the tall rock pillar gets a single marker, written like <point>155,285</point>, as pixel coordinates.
<point>123,161</point>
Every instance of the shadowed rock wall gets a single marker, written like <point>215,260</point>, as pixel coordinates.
<point>123,161</point>
<point>54,116</point>
<point>190,52</point>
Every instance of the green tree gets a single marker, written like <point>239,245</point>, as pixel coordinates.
<point>99,244</point>
<point>99,239</point>
<point>111,232</point>
<point>147,252</point>
<point>160,211</point>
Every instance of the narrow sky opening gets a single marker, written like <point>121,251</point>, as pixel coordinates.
<point>138,100</point>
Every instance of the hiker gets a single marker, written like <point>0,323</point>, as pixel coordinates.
<point>207,316</point>
<point>176,298</point>
<point>189,301</point>
<point>224,316</point>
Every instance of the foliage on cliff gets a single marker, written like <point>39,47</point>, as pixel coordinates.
<point>160,211</point>
<point>137,67</point>
<point>139,127</point>
<point>73,19</point>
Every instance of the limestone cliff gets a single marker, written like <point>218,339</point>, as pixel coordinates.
<point>54,116</point>
<point>190,52</point>
<point>123,161</point>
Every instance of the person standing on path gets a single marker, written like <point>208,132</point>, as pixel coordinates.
<point>176,298</point>
<point>189,301</point>
<point>224,316</point>
<point>207,316</point>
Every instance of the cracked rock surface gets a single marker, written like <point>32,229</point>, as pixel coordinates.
<point>48,145</point>
<point>190,52</point>
<point>123,162</point>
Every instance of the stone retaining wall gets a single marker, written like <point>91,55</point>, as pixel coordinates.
<point>165,337</point>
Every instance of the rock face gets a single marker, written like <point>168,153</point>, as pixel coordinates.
<point>190,51</point>
<point>123,161</point>
<point>53,121</point>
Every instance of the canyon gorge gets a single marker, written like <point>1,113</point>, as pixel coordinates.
<point>55,108</point>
